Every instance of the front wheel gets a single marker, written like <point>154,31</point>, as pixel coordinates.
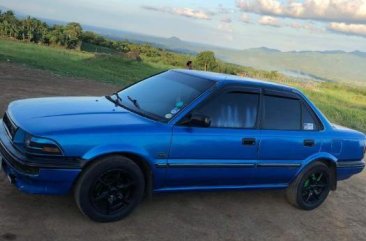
<point>311,187</point>
<point>109,189</point>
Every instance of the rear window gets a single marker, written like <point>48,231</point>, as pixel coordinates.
<point>281,113</point>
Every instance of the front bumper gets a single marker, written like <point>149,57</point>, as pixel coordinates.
<point>30,177</point>
<point>47,181</point>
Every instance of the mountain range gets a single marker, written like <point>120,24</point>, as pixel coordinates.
<point>329,65</point>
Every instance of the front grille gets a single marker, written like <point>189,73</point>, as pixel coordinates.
<point>10,127</point>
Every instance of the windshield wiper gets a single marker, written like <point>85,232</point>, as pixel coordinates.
<point>118,97</point>
<point>117,101</point>
<point>134,102</point>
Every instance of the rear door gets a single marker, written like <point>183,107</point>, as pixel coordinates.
<point>290,134</point>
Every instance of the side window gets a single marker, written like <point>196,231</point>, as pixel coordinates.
<point>281,113</point>
<point>308,121</point>
<point>232,110</point>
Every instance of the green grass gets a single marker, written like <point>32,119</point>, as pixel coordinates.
<point>87,47</point>
<point>342,104</point>
<point>102,67</point>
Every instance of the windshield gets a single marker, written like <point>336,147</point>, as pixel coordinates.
<point>162,96</point>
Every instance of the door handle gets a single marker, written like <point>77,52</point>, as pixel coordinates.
<point>248,141</point>
<point>309,143</point>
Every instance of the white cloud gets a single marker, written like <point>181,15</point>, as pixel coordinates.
<point>349,29</point>
<point>224,27</point>
<point>186,12</point>
<point>260,6</point>
<point>270,21</point>
<point>306,26</point>
<point>245,18</point>
<point>349,11</point>
<point>191,13</point>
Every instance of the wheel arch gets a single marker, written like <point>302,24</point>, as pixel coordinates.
<point>333,171</point>
<point>327,159</point>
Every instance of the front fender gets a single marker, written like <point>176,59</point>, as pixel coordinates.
<point>110,149</point>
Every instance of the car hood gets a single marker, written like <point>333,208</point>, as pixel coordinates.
<point>47,116</point>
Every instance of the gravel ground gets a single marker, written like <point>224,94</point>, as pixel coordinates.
<point>252,215</point>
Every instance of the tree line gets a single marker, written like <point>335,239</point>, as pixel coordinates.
<point>34,30</point>
<point>72,36</point>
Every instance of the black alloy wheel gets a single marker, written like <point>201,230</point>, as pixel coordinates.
<point>112,191</point>
<point>110,188</point>
<point>311,187</point>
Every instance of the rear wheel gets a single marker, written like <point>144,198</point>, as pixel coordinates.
<point>109,189</point>
<point>311,187</point>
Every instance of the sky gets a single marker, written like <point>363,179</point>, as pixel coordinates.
<point>286,25</point>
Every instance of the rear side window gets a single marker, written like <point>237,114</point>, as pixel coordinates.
<point>232,110</point>
<point>309,123</point>
<point>281,113</point>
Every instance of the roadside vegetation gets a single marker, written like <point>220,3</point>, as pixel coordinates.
<point>70,51</point>
<point>102,67</point>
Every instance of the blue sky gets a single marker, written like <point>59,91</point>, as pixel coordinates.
<point>240,24</point>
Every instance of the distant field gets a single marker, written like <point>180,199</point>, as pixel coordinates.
<point>342,104</point>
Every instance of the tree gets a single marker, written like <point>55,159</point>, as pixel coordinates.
<point>32,29</point>
<point>56,35</point>
<point>206,60</point>
<point>9,24</point>
<point>72,34</point>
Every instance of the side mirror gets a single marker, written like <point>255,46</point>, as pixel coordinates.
<point>198,120</point>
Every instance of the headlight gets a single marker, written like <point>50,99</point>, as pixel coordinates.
<point>41,146</point>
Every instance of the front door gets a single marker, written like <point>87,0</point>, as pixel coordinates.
<point>223,154</point>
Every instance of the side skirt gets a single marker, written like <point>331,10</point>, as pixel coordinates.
<point>222,188</point>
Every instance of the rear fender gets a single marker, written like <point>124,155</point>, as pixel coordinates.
<point>325,157</point>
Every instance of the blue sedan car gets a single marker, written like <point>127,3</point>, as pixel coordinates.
<point>179,130</point>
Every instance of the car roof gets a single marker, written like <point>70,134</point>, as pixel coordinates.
<point>234,79</point>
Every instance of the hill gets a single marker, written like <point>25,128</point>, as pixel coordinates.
<point>340,66</point>
<point>337,65</point>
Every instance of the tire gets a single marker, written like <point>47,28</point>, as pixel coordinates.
<point>109,189</point>
<point>310,189</point>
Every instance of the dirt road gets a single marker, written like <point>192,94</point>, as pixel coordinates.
<point>253,215</point>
